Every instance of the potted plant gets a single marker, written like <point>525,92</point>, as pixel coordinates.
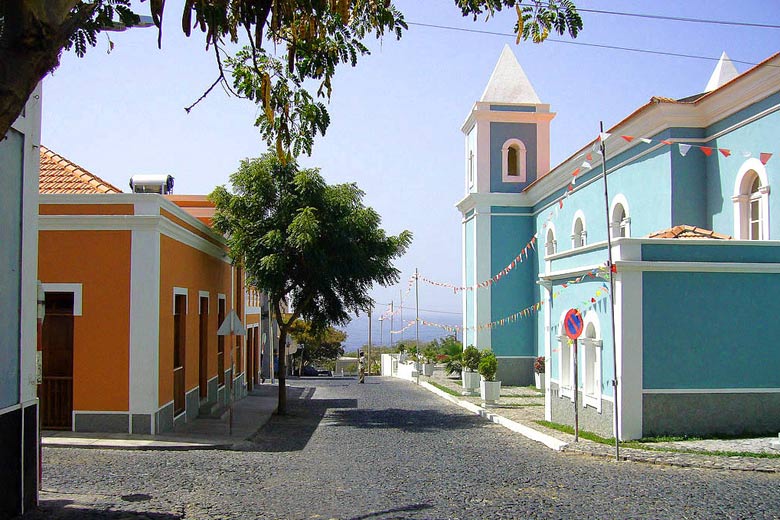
<point>470,364</point>
<point>489,388</point>
<point>539,373</point>
<point>453,365</point>
<point>429,356</point>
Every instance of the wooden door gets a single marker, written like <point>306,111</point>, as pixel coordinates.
<point>220,343</point>
<point>56,391</point>
<point>203,351</point>
<point>179,349</point>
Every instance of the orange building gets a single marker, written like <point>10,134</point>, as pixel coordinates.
<point>136,287</point>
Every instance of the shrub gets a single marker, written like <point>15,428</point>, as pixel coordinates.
<point>454,365</point>
<point>470,358</point>
<point>539,365</point>
<point>488,365</point>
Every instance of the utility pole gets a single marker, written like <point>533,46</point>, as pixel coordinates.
<point>401,308</point>
<point>369,341</point>
<point>616,408</point>
<point>391,324</point>
<point>417,322</point>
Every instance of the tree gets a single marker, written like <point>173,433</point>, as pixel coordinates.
<point>312,37</point>
<point>318,345</point>
<point>304,242</point>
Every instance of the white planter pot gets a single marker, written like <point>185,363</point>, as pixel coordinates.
<point>539,381</point>
<point>470,382</point>
<point>427,369</point>
<point>490,391</point>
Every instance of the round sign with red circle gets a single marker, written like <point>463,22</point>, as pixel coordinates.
<point>572,323</point>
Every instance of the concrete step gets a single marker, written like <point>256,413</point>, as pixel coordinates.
<point>212,411</point>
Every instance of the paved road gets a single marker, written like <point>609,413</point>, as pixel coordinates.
<point>387,449</point>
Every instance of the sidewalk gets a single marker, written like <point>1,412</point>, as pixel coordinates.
<point>520,407</point>
<point>249,415</point>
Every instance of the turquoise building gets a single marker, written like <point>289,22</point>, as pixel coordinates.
<point>696,258</point>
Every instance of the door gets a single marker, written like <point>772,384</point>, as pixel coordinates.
<point>250,358</point>
<point>56,391</point>
<point>179,347</point>
<point>220,343</point>
<point>203,350</point>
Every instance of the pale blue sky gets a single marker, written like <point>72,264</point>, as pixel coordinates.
<point>396,118</point>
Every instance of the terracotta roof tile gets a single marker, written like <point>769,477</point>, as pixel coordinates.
<point>685,231</point>
<point>59,175</point>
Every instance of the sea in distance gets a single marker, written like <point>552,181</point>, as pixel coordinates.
<point>357,330</point>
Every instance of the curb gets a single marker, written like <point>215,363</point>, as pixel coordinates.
<point>530,433</point>
<point>108,444</point>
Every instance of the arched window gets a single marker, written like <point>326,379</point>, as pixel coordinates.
<point>579,236</point>
<point>751,202</point>
<point>591,359</point>
<point>550,244</point>
<point>565,363</point>
<point>513,162</point>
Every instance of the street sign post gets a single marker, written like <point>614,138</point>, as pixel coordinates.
<point>572,325</point>
<point>231,325</point>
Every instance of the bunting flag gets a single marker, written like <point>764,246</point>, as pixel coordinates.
<point>764,157</point>
<point>684,148</point>
<point>706,150</point>
<point>724,151</point>
<point>405,328</point>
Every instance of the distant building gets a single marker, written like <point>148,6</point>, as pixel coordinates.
<point>136,286</point>
<point>694,243</point>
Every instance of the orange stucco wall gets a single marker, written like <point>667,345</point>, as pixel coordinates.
<point>86,209</point>
<point>100,261</point>
<point>187,267</point>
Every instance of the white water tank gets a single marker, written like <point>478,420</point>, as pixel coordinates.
<point>152,183</point>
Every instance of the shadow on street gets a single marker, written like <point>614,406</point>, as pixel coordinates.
<point>406,420</point>
<point>68,510</point>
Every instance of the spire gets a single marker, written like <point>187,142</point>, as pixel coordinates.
<point>723,73</point>
<point>508,83</point>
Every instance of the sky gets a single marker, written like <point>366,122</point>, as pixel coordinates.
<point>396,117</point>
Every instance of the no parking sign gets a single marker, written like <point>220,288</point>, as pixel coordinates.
<point>572,323</point>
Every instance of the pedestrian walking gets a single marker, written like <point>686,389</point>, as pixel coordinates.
<point>361,368</point>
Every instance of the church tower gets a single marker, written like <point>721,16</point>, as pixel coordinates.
<point>507,148</point>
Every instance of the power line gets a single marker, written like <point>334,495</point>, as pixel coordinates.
<point>583,44</point>
<point>682,19</point>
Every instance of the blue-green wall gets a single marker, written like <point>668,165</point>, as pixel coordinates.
<point>516,290</point>
<point>710,330</point>
<point>469,225</point>
<point>11,176</point>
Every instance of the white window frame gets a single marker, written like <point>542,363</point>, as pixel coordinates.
<point>522,161</point>
<point>742,200</point>
<point>579,239</point>
<point>550,246</point>
<point>591,349</point>
<point>180,291</point>
<point>565,367</point>
<point>624,225</point>
<point>470,168</point>
<point>204,294</point>
<point>75,288</point>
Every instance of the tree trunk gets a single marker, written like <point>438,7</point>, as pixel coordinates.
<point>30,48</point>
<point>281,408</point>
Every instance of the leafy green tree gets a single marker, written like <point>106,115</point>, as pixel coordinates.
<point>304,242</point>
<point>318,345</point>
<point>286,43</point>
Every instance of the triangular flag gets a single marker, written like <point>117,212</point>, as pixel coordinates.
<point>645,140</point>
<point>586,165</point>
<point>706,150</point>
<point>560,203</point>
<point>603,136</point>
<point>589,157</point>
<point>765,156</point>
<point>725,151</point>
<point>666,141</point>
<point>684,148</point>
<point>628,138</point>
<point>575,172</point>
<point>570,187</point>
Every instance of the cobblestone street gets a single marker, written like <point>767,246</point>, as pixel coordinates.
<point>386,449</point>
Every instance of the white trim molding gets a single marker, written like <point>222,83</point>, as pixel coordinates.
<point>625,222</point>
<point>591,348</point>
<point>75,288</point>
<point>743,199</point>
<point>204,294</point>
<point>711,391</point>
<point>180,291</point>
<point>579,239</point>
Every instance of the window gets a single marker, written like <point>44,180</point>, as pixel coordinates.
<point>550,244</point>
<point>751,202</point>
<point>620,223</point>
<point>513,167</point>
<point>579,236</point>
<point>471,168</point>
<point>591,359</point>
<point>565,362</point>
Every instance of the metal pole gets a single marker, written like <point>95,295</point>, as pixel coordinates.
<point>615,407</point>
<point>576,398</point>
<point>369,342</point>
<point>401,315</point>
<point>391,323</point>
<point>417,321</point>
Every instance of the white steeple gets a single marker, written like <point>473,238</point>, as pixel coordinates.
<point>723,73</point>
<point>509,84</point>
